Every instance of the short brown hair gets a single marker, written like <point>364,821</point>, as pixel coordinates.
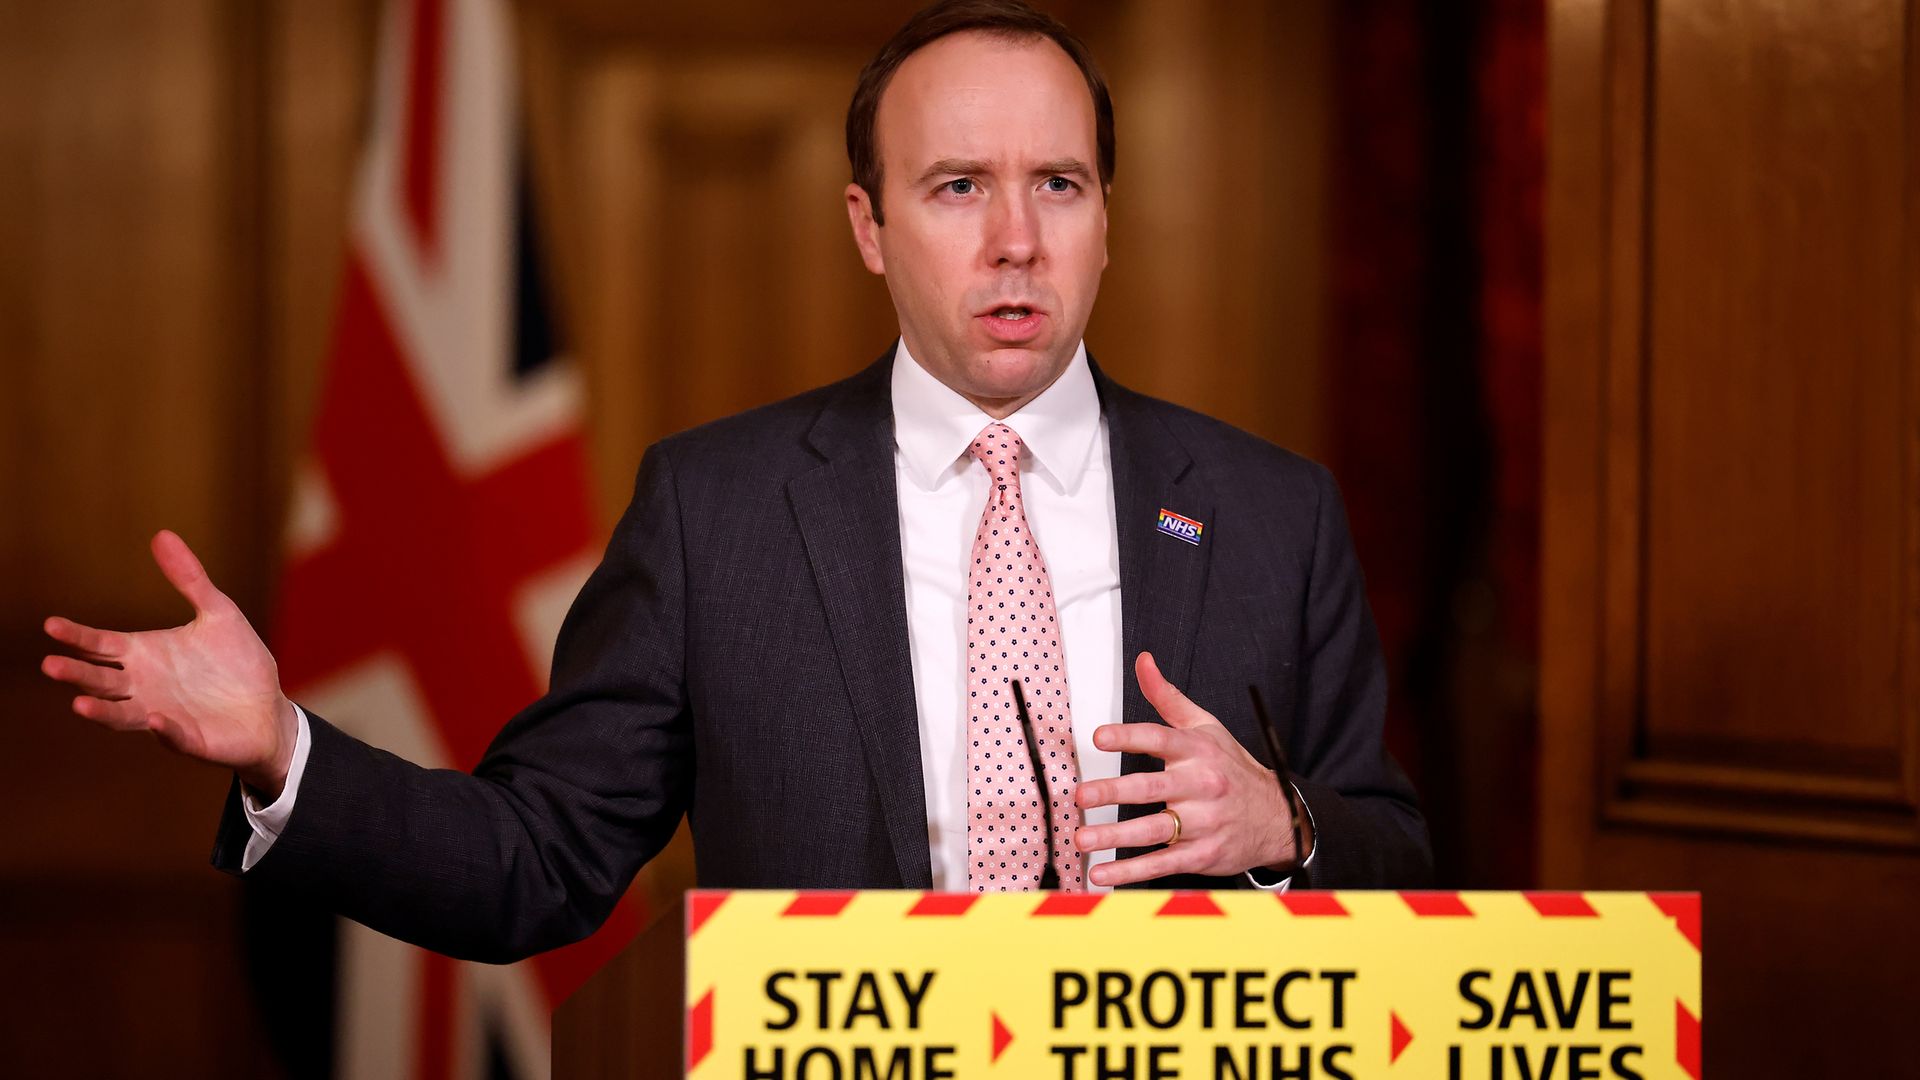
<point>1011,20</point>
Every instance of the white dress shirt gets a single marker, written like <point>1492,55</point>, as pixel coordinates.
<point>1067,488</point>
<point>1066,482</point>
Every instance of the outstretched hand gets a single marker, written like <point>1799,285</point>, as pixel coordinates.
<point>208,689</point>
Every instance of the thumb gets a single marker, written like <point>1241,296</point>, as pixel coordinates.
<point>171,734</point>
<point>184,572</point>
<point>1174,707</point>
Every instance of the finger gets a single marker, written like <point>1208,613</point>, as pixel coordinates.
<point>1177,859</point>
<point>112,684</point>
<point>98,644</point>
<point>1173,706</point>
<point>1130,790</point>
<point>118,715</point>
<point>1156,739</point>
<point>1148,831</point>
<point>183,570</point>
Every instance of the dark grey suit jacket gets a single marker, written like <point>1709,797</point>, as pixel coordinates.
<point>740,656</point>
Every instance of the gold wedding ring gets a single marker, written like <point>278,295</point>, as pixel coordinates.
<point>1168,810</point>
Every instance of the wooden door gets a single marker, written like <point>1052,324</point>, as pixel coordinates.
<point>1730,695</point>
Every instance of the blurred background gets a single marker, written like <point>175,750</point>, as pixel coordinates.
<point>1603,314</point>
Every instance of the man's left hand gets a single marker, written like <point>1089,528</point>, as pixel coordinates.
<point>1233,814</point>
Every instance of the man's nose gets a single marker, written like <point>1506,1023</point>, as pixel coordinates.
<point>1013,237</point>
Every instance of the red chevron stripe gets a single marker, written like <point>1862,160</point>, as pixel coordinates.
<point>1312,903</point>
<point>1437,904</point>
<point>1560,905</point>
<point>1189,903</point>
<point>1061,903</point>
<point>700,907</point>
<point>1684,909</point>
<point>1686,1039</point>
<point>935,903</point>
<point>700,1031</point>
<point>818,904</point>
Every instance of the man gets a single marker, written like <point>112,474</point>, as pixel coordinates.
<point>825,629</point>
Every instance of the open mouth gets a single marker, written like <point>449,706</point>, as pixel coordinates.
<point>1012,324</point>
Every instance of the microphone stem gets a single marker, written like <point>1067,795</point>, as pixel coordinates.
<point>1049,877</point>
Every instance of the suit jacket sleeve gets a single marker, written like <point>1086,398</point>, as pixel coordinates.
<point>1368,829</point>
<point>533,849</point>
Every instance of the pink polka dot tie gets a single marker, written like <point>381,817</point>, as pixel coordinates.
<point>1013,632</point>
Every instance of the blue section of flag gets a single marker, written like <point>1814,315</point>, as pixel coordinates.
<point>536,329</point>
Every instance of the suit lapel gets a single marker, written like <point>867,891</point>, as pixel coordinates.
<point>1162,578</point>
<point>849,517</point>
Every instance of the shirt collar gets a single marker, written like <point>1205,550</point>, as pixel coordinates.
<point>933,425</point>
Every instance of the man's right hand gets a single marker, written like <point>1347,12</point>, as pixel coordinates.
<point>209,689</point>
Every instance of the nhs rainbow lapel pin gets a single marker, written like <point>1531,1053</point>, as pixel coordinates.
<point>1180,528</point>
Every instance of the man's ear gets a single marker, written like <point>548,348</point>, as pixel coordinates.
<point>1103,232</point>
<point>865,230</point>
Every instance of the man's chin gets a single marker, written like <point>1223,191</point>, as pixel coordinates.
<point>1011,374</point>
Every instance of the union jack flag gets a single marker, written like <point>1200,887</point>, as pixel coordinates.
<point>441,523</point>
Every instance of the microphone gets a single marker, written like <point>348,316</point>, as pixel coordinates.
<point>1277,751</point>
<point>1049,877</point>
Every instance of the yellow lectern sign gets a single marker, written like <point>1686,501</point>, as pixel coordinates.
<point>1193,986</point>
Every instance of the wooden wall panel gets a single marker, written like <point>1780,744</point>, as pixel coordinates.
<point>1756,409</point>
<point>1216,295</point>
<point>112,988</point>
<point>1767,611</point>
<point>716,267</point>
<point>135,374</point>
<point>131,398</point>
<point>1730,613</point>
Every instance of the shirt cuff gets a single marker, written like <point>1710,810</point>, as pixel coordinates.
<point>1285,883</point>
<point>267,821</point>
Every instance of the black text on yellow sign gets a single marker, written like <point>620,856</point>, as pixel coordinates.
<point>1486,986</point>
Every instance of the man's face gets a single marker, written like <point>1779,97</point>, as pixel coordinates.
<point>996,226</point>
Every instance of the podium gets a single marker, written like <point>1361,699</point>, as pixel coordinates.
<point>628,1019</point>
<point>1242,985</point>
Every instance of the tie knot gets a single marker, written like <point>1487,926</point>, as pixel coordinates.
<point>998,448</point>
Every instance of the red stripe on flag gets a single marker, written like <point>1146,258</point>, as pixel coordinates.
<point>425,88</point>
<point>403,572</point>
<point>406,573</point>
<point>1561,905</point>
<point>427,561</point>
<point>433,1052</point>
<point>1436,904</point>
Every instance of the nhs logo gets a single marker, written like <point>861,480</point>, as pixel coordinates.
<point>1180,528</point>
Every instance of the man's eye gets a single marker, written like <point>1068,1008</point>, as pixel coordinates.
<point>962,186</point>
<point>1059,183</point>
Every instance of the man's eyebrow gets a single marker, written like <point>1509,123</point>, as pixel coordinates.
<point>965,166</point>
<point>952,167</point>
<point>1064,167</point>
